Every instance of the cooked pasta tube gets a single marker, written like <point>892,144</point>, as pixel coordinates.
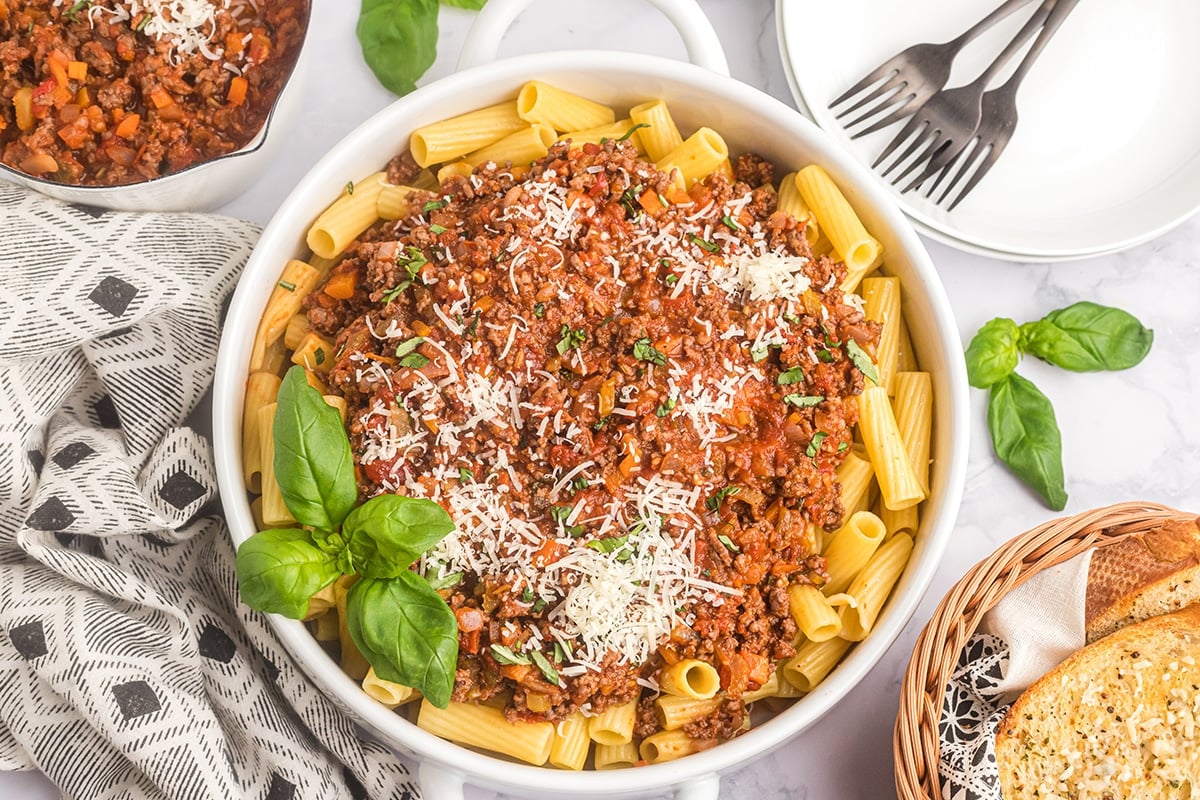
<point>322,265</point>
<point>485,727</point>
<point>353,662</point>
<point>675,711</point>
<point>882,304</point>
<point>314,353</point>
<point>854,475</point>
<point>274,510</point>
<point>539,102</point>
<point>670,745</point>
<point>256,513</point>
<point>914,417</point>
<point>906,520</point>
<point>452,138</point>
<point>786,688</point>
<point>621,129</point>
<point>569,748</point>
<point>873,585</point>
<point>660,136</point>
<point>857,248</point>
<point>321,602</point>
<point>348,216</point>
<point>386,693</point>
<point>907,360</point>
<point>690,677</point>
<point>615,756</point>
<point>614,725</point>
<point>261,390</point>
<point>700,155</point>
<point>325,627</point>
<point>898,483</point>
<point>812,612</point>
<point>792,204</point>
<point>813,662</point>
<point>455,169</point>
<point>768,689</point>
<point>393,202</point>
<point>297,327</point>
<point>522,147</point>
<point>296,282</point>
<point>850,549</point>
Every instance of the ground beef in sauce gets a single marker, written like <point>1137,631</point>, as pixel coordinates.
<point>90,95</point>
<point>605,359</point>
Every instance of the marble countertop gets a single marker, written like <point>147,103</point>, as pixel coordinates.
<point>1126,436</point>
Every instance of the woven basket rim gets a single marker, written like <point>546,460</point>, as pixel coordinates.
<point>935,655</point>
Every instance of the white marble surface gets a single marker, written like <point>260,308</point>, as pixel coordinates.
<point>1126,436</point>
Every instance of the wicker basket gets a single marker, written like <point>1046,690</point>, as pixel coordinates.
<point>937,649</point>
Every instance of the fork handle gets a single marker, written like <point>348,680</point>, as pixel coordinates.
<point>1038,20</point>
<point>1059,13</point>
<point>991,19</point>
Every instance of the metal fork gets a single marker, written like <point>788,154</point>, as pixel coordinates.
<point>944,125</point>
<point>913,75</point>
<point>999,117</point>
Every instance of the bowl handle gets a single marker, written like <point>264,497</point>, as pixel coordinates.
<point>704,48</point>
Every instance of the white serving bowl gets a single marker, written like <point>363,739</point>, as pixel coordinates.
<point>206,184</point>
<point>749,120</point>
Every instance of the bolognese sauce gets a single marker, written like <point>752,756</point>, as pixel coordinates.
<point>112,92</point>
<point>631,398</point>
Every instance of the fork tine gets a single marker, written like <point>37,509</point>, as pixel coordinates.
<point>893,84</point>
<point>985,163</point>
<point>940,162</point>
<point>935,147</point>
<point>884,70</point>
<point>923,137</point>
<point>913,125</point>
<point>898,112</point>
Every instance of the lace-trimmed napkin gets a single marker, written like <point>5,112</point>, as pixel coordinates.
<point>1028,633</point>
<point>127,666</point>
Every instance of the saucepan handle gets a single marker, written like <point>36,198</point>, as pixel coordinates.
<point>703,47</point>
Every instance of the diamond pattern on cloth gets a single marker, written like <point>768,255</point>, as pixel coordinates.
<point>128,667</point>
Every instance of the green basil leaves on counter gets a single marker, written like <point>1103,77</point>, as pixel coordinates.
<point>1086,337</point>
<point>1026,437</point>
<point>280,570</point>
<point>1083,337</point>
<point>399,38</point>
<point>406,632</point>
<point>313,463</point>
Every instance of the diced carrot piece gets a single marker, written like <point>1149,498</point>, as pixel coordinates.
<point>233,43</point>
<point>58,63</point>
<point>3,11</point>
<point>607,397</point>
<point>484,304</point>
<point>76,134</point>
<point>237,90</point>
<point>652,202</point>
<point>341,285</point>
<point>77,70</point>
<point>82,98</point>
<point>23,105</point>
<point>128,126</point>
<point>676,195</point>
<point>161,97</point>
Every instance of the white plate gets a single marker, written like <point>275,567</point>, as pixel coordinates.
<point>1107,151</point>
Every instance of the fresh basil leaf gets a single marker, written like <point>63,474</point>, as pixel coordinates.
<point>399,40</point>
<point>1087,337</point>
<point>1025,436</point>
<point>505,655</point>
<point>406,632</point>
<point>860,359</point>
<point>386,534</point>
<point>803,400</point>
<point>279,571</point>
<point>313,463</point>
<point>993,353</point>
<point>543,663</point>
<point>473,5</point>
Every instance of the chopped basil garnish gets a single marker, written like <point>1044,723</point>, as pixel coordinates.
<point>350,187</point>
<point>569,339</point>
<point>759,353</point>
<point>863,361</point>
<point>548,671</point>
<point>672,279</point>
<point>391,294</point>
<point>629,132</point>
<point>539,310</point>
<point>729,545</point>
<point>319,355</point>
<point>412,261</point>
<point>843,447</point>
<point>446,581</point>
<point>714,502</point>
<point>560,513</point>
<point>575,531</point>
<point>437,228</point>
<point>703,244</point>
<point>581,482</point>
<point>75,9</point>
<point>814,446</point>
<point>414,360</point>
<point>666,407</point>
<point>790,376</point>
<point>465,474</point>
<point>803,400</point>
<point>643,350</point>
<point>791,319</point>
<point>142,23</point>
<point>608,545</point>
<point>291,287</point>
<point>408,345</point>
<point>527,595</point>
<point>433,205</point>
<point>825,356</point>
<point>731,223</point>
<point>538,605</point>
<point>505,655</point>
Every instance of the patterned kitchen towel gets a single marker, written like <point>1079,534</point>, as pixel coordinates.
<point>128,669</point>
<point>1027,634</point>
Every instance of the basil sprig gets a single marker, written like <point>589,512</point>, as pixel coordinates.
<point>399,622</point>
<point>1084,337</point>
<point>399,38</point>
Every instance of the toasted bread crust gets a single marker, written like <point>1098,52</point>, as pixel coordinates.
<point>1143,576</point>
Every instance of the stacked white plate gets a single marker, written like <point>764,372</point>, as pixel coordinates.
<point>1106,154</point>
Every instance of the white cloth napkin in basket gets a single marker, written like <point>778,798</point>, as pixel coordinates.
<point>128,669</point>
<point>1029,632</point>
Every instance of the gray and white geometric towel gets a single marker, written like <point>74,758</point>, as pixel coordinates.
<point>128,669</point>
